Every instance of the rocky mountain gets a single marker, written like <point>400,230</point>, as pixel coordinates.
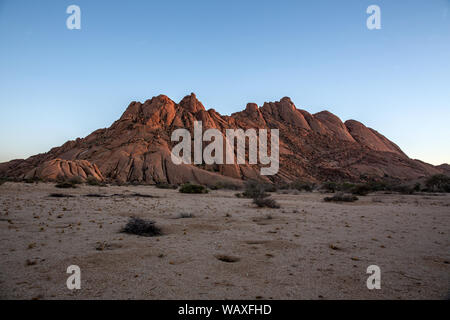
<point>136,148</point>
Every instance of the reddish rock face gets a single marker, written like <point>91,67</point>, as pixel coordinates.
<point>58,168</point>
<point>136,148</point>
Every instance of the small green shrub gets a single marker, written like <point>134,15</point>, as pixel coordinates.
<point>192,188</point>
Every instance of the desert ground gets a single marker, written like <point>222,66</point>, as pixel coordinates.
<point>307,249</point>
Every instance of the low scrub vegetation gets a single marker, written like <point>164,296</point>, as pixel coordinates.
<point>226,258</point>
<point>298,185</point>
<point>91,181</point>
<point>341,197</point>
<point>164,185</point>
<point>438,183</point>
<point>362,189</point>
<point>266,202</point>
<point>75,180</point>
<point>96,195</point>
<point>65,185</point>
<point>329,186</point>
<point>33,180</point>
<point>141,227</point>
<point>133,195</point>
<point>68,183</point>
<point>185,215</point>
<point>60,195</point>
<point>225,186</point>
<point>258,192</point>
<point>192,188</point>
<point>255,189</point>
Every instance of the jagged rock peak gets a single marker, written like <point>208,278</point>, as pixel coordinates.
<point>137,147</point>
<point>191,103</point>
<point>251,107</point>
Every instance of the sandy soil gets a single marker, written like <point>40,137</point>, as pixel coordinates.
<point>307,249</point>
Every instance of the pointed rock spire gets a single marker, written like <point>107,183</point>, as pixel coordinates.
<point>191,104</point>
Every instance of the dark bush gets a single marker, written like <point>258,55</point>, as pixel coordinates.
<point>60,195</point>
<point>94,182</point>
<point>346,187</point>
<point>269,187</point>
<point>163,185</point>
<point>298,185</point>
<point>96,195</point>
<point>75,180</point>
<point>361,189</point>
<point>403,189</point>
<point>329,186</point>
<point>417,187</point>
<point>266,202</point>
<point>33,180</point>
<point>65,185</point>
<point>133,195</point>
<point>373,186</point>
<point>192,188</point>
<point>341,197</point>
<point>438,183</point>
<point>255,189</point>
<point>378,186</point>
<point>141,227</point>
<point>228,259</point>
<point>308,187</point>
<point>225,186</point>
<point>185,215</point>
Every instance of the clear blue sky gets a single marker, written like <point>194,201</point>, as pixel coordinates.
<point>58,84</point>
